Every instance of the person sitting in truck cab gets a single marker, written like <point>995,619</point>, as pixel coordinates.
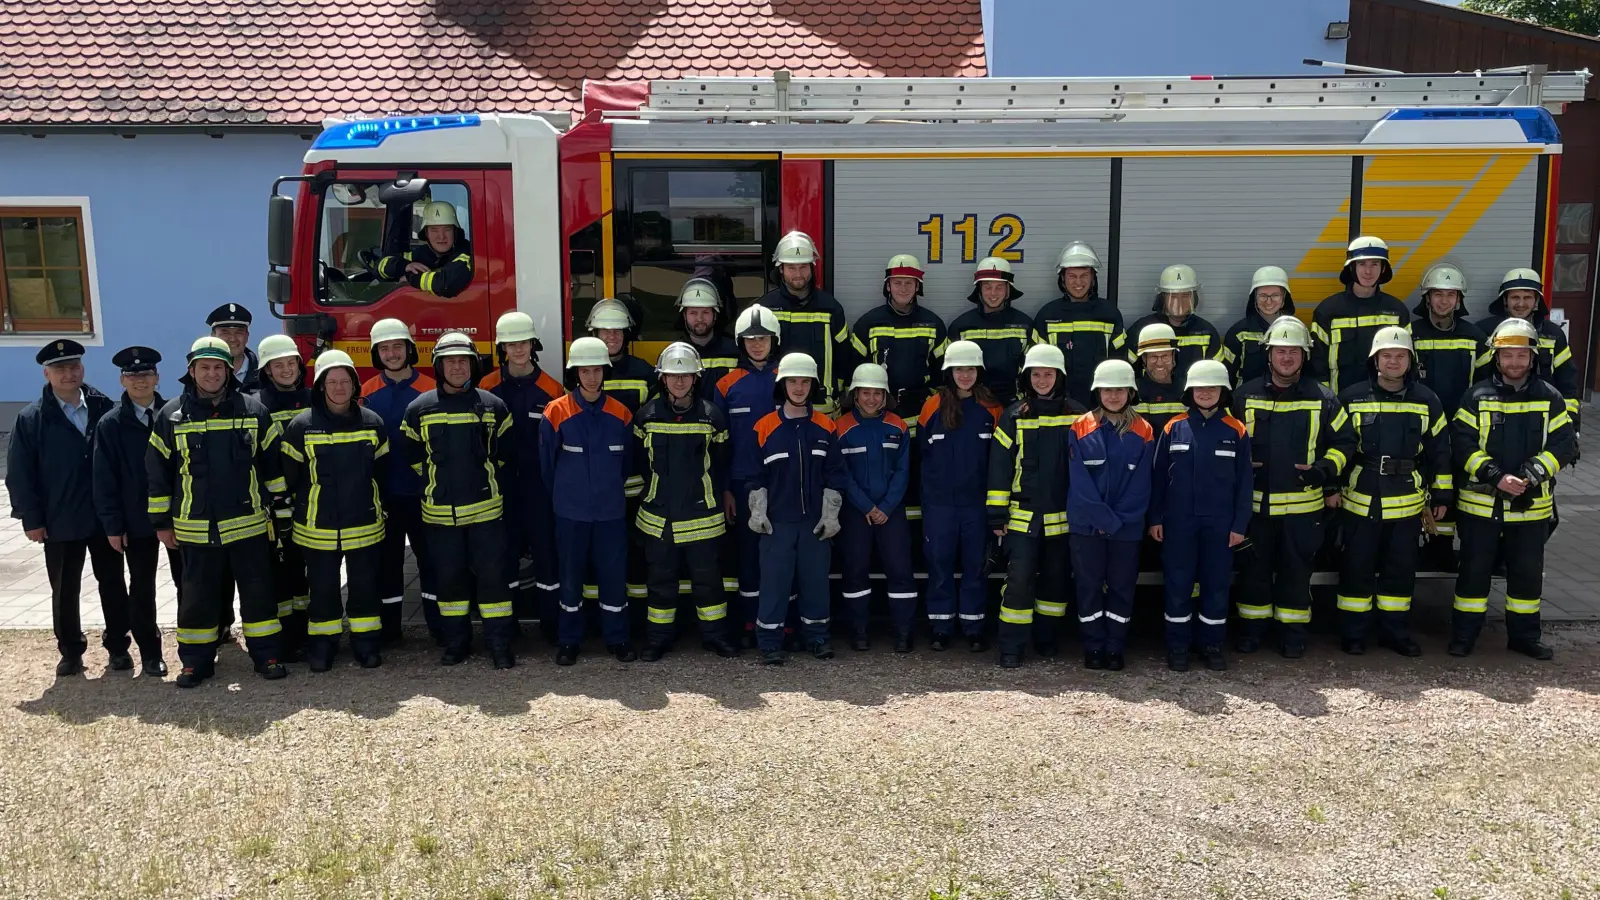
<point>441,263</point>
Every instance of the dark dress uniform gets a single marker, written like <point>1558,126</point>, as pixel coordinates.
<point>122,501</point>
<point>237,314</point>
<point>49,474</point>
<point>213,468</point>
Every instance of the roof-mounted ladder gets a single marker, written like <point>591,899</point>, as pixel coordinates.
<point>783,98</point>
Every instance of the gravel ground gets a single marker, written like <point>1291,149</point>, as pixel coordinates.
<point>930,776</point>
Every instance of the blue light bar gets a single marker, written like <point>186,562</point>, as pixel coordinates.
<point>1538,126</point>
<point>369,133</point>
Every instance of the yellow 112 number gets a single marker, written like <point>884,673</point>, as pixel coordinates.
<point>1007,228</point>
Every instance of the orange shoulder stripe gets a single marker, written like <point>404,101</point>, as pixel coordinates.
<point>615,408</point>
<point>560,410</point>
<point>1167,428</point>
<point>897,422</point>
<point>490,381</point>
<point>765,426</point>
<point>1233,423</point>
<point>1085,425</point>
<point>822,421</point>
<point>930,406</point>
<point>845,422</point>
<point>726,382</point>
<point>424,383</point>
<point>1143,429</point>
<point>550,385</point>
<point>373,385</point>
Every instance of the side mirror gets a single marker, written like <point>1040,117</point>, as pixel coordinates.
<point>402,192</point>
<point>277,289</point>
<point>280,230</point>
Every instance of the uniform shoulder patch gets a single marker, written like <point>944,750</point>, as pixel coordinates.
<point>822,421</point>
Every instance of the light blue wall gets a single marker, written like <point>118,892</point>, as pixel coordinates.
<point>179,226</point>
<point>1053,38</point>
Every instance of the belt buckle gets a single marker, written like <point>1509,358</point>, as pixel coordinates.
<point>1386,465</point>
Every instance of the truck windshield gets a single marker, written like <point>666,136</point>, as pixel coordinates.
<point>365,248</point>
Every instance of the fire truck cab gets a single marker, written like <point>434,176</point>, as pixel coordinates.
<point>704,175</point>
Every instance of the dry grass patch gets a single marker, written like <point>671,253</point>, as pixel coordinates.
<point>935,776</point>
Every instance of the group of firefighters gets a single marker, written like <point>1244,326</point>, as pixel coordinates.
<point>1061,446</point>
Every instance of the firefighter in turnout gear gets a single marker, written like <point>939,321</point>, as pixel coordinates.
<point>1269,298</point>
<point>1085,326</point>
<point>1343,324</point>
<point>744,396</point>
<point>875,445</point>
<point>1452,354</point>
<point>213,465</point>
<point>586,458</point>
<point>999,328</point>
<point>1199,511</point>
<point>281,388</point>
<point>526,390</point>
<point>1027,504</point>
<point>681,449</point>
<point>1297,457</point>
<point>1522,297</point>
<point>1177,304</point>
<point>1108,496</point>
<point>330,460</point>
<point>795,506</point>
<point>456,437</point>
<point>1509,438</point>
<point>441,263</point>
<point>628,378</point>
<point>1159,390</point>
<point>957,431</point>
<point>813,321</point>
<point>389,393</point>
<point>908,340</point>
<point>1400,465</point>
<point>700,316</point>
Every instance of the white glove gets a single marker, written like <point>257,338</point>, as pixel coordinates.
<point>828,525</point>
<point>759,523</point>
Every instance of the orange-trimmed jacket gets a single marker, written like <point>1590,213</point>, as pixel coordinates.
<point>799,458</point>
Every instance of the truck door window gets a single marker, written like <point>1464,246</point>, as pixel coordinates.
<point>366,251</point>
<point>693,222</point>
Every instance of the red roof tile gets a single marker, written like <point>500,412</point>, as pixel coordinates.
<point>283,62</point>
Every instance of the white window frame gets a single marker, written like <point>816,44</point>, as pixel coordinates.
<point>95,338</point>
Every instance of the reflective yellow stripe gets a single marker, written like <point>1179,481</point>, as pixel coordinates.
<point>1291,616</point>
<point>1016,616</point>
<point>1468,344</point>
<point>1159,409</point>
<point>160,445</point>
<point>454,607</point>
<point>1548,459</point>
<point>713,613</point>
<point>1355,604</point>
<point>160,505</point>
<point>658,616</point>
<point>1080,325</point>
<point>263,628</point>
<point>1520,605</point>
<point>330,627</point>
<point>494,610</point>
<point>1471,604</point>
<point>364,624</point>
<point>1290,503</point>
<point>1389,603</point>
<point>197,635</point>
<point>999,498</point>
<point>1045,608</point>
<point>1003,439</point>
<point>1251,611</point>
<point>993,334</point>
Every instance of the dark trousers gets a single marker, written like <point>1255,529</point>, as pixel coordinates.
<point>1038,580</point>
<point>1522,544</point>
<point>210,572</point>
<point>1378,567</point>
<point>857,538</point>
<point>327,611</point>
<point>741,550</point>
<point>469,563</point>
<point>142,556</point>
<point>289,586</point>
<point>532,569</point>
<point>1195,553</point>
<point>952,534</point>
<point>63,563</point>
<point>596,550</point>
<point>1276,581</point>
<point>793,553</point>
<point>405,523</point>
<point>666,560</point>
<point>1106,572</point>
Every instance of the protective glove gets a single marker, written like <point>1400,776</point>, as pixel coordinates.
<point>828,524</point>
<point>759,523</point>
<point>1534,473</point>
<point>1313,477</point>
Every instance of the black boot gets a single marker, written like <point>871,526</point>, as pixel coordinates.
<point>1296,649</point>
<point>860,644</point>
<point>1531,647</point>
<point>1178,660</point>
<point>369,659</point>
<point>939,642</point>
<point>747,640</point>
<point>1010,660</point>
<point>1215,661</point>
<point>1523,633</point>
<point>1246,643</point>
<point>566,655</point>
<point>455,654</point>
<point>69,665</point>
<point>155,667</point>
<point>1401,644</point>
<point>1353,646</point>
<point>822,649</point>
<point>772,657</point>
<point>391,624</point>
<point>1114,662</point>
<point>120,662</point>
<point>653,652</point>
<point>320,659</point>
<point>1046,649</point>
<point>1459,646</point>
<point>272,670</point>
<point>623,652</point>
<point>720,647</point>
<point>902,643</point>
<point>1094,659</point>
<point>189,678</point>
<point>977,644</point>
<point>502,656</point>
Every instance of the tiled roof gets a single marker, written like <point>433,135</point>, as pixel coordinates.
<point>282,62</point>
